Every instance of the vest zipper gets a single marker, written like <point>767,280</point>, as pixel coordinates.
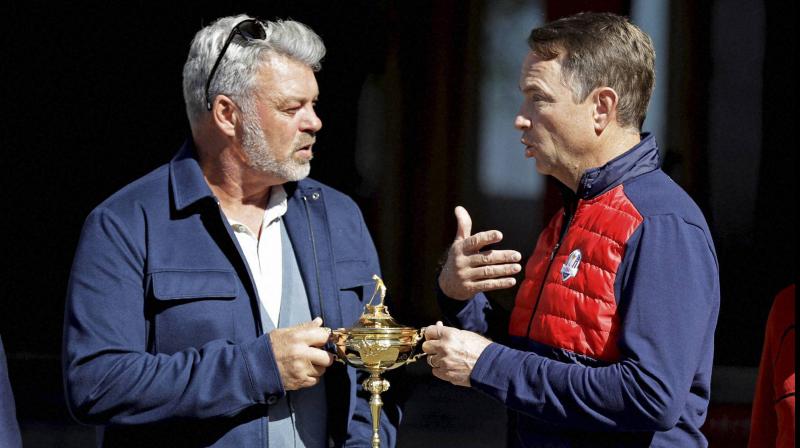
<point>547,272</point>
<point>314,250</point>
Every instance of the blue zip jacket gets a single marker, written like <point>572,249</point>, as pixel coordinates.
<point>162,337</point>
<point>667,295</point>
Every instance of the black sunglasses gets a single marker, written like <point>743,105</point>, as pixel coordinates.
<point>250,29</point>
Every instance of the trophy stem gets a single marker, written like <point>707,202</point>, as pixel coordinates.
<point>376,385</point>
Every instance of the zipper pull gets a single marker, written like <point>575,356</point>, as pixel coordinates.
<point>553,253</point>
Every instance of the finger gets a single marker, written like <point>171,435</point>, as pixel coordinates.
<point>479,240</point>
<point>443,335</point>
<point>494,284</point>
<point>431,347</point>
<point>432,333</point>
<point>494,257</point>
<point>317,371</point>
<point>464,223</point>
<point>314,337</point>
<point>310,381</point>
<point>317,322</point>
<point>433,336</point>
<point>319,357</point>
<point>492,272</point>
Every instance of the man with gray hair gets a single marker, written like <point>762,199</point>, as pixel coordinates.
<point>198,293</point>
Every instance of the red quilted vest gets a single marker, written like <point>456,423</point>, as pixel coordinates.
<point>568,301</point>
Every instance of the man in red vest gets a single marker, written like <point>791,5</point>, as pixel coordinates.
<point>772,421</point>
<point>612,332</point>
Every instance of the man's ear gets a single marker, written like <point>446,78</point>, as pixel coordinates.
<point>605,101</point>
<point>225,115</point>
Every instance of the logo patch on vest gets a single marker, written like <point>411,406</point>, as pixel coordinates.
<point>570,268</point>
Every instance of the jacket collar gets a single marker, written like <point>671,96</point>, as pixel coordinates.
<point>298,189</point>
<point>186,177</point>
<point>638,160</point>
<point>189,185</point>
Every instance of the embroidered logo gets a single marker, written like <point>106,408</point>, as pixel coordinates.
<point>570,268</point>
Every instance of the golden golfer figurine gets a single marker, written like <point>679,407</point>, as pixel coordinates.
<point>376,343</point>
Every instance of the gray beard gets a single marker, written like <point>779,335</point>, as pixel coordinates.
<point>260,157</point>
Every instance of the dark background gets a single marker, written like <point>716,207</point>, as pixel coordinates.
<point>93,100</point>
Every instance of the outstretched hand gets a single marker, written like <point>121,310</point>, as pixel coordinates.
<point>469,270</point>
<point>301,360</point>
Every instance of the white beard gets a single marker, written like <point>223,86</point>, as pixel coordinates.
<point>260,157</point>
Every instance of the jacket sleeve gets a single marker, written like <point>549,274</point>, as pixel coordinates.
<point>109,376</point>
<point>471,315</point>
<point>359,431</point>
<point>669,304</point>
<point>9,428</point>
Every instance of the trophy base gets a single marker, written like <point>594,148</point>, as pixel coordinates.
<point>376,385</point>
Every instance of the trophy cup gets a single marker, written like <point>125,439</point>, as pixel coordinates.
<point>376,343</point>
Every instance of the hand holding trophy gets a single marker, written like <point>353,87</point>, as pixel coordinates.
<point>376,344</point>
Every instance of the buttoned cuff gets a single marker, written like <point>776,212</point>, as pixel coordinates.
<point>265,378</point>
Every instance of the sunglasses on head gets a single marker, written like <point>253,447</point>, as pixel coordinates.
<point>250,29</point>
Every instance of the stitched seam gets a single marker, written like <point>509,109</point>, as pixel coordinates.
<point>626,213</point>
<point>594,232</point>
<point>205,294</point>
<point>157,271</point>
<point>249,375</point>
<point>583,293</point>
<point>598,330</point>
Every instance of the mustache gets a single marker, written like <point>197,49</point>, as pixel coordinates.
<point>305,141</point>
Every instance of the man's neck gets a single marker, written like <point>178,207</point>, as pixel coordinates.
<point>242,191</point>
<point>613,145</point>
<point>609,146</point>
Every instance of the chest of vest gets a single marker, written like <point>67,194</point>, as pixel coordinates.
<point>567,298</point>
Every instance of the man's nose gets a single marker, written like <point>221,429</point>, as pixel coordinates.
<point>522,123</point>
<point>311,122</point>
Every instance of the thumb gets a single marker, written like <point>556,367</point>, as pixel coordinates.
<point>317,322</point>
<point>464,223</point>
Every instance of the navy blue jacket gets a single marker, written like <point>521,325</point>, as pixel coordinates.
<point>667,294</point>
<point>9,428</point>
<point>162,337</point>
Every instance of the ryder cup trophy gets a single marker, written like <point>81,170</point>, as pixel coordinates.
<point>376,343</point>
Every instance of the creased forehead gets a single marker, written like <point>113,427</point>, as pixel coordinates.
<point>536,70</point>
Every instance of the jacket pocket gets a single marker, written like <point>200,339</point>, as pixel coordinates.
<point>355,288</point>
<point>188,285</point>
<point>191,308</point>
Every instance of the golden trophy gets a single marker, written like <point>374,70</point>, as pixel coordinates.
<point>376,343</point>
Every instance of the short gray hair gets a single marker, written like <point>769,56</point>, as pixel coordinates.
<point>242,61</point>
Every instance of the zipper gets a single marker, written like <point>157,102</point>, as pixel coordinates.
<point>549,266</point>
<point>314,250</point>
